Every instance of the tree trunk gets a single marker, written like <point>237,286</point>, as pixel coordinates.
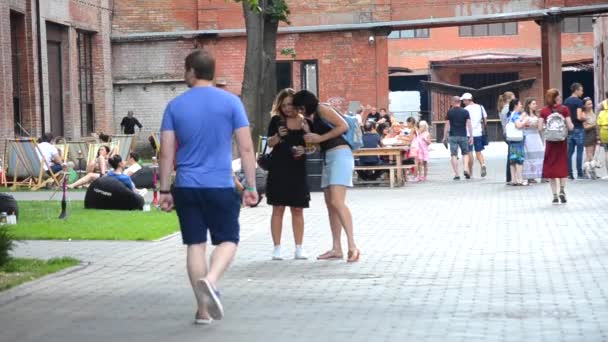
<point>269,74</point>
<point>253,69</point>
<point>259,81</point>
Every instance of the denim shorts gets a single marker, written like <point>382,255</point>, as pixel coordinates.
<point>205,209</point>
<point>338,168</point>
<point>478,144</point>
<point>456,142</point>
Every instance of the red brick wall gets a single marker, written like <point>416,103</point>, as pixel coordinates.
<point>93,16</point>
<point>155,15</point>
<point>162,15</point>
<point>6,86</point>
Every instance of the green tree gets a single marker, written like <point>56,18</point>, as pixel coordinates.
<point>262,18</point>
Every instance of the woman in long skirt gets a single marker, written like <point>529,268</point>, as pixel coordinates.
<point>555,165</point>
<point>534,148</point>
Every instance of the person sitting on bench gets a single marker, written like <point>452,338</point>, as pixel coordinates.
<point>371,139</point>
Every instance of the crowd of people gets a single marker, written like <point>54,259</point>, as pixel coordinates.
<point>106,163</point>
<point>541,141</point>
<point>538,149</point>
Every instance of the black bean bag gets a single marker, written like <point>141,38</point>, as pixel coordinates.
<point>8,204</point>
<point>109,193</point>
<point>144,178</point>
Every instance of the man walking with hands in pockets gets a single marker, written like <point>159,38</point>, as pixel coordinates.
<point>203,121</point>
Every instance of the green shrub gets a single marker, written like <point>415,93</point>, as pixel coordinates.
<point>6,244</point>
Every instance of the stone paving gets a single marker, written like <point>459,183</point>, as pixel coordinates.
<point>441,261</point>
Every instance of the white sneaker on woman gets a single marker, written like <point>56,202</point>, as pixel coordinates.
<point>299,254</point>
<point>276,253</point>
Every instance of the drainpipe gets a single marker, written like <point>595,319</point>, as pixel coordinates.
<point>40,88</point>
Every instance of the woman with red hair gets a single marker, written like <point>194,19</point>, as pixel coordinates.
<point>555,165</point>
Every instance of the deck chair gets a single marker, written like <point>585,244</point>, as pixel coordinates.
<point>73,148</point>
<point>125,143</point>
<point>63,147</point>
<point>25,166</point>
<point>156,139</point>
<point>94,147</point>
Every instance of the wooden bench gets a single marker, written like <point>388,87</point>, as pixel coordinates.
<point>391,171</point>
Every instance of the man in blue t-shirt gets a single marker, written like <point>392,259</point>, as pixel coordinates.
<point>576,138</point>
<point>201,123</point>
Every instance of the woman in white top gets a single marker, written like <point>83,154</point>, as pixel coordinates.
<point>591,137</point>
<point>533,144</point>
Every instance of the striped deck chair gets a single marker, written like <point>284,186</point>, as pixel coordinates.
<point>73,148</point>
<point>24,165</point>
<point>156,138</point>
<point>125,143</point>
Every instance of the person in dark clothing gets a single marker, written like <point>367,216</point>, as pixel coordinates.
<point>371,139</point>
<point>129,122</point>
<point>457,126</point>
<point>576,138</point>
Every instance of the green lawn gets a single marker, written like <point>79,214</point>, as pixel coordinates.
<point>18,271</point>
<point>38,221</point>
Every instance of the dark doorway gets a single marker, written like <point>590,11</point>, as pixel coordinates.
<point>284,75</point>
<point>55,87</point>
<point>17,26</point>
<point>584,77</point>
<point>57,43</point>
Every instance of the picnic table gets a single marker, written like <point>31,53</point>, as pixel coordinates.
<point>393,152</point>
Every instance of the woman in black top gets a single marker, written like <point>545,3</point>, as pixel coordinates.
<point>286,185</point>
<point>327,127</point>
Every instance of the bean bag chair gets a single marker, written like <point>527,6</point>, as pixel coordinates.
<point>109,193</point>
<point>144,178</point>
<point>8,204</point>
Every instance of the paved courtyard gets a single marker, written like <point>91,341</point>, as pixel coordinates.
<point>441,261</point>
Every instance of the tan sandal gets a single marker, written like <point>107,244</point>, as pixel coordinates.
<point>330,255</point>
<point>353,255</point>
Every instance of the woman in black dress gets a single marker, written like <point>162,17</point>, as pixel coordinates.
<point>286,185</point>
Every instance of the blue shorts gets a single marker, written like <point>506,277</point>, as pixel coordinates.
<point>216,210</point>
<point>478,145</point>
<point>338,168</point>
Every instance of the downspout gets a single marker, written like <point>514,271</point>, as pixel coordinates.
<point>40,88</point>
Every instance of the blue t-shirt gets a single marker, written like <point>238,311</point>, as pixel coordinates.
<point>204,120</point>
<point>514,117</point>
<point>124,179</point>
<point>370,140</point>
<point>573,103</point>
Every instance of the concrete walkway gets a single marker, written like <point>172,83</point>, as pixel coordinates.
<point>441,261</point>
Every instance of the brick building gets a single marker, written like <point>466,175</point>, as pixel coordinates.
<point>56,73</point>
<point>339,49</point>
<point>481,55</point>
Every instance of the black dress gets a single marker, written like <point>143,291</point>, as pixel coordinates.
<point>286,184</point>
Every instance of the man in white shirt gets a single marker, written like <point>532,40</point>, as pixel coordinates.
<point>49,153</point>
<point>478,116</point>
<point>132,164</point>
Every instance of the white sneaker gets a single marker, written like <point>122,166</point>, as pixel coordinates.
<point>276,253</point>
<point>300,255</point>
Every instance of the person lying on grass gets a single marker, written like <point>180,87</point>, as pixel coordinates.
<point>118,165</point>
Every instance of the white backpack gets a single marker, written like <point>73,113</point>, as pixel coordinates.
<point>556,128</point>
